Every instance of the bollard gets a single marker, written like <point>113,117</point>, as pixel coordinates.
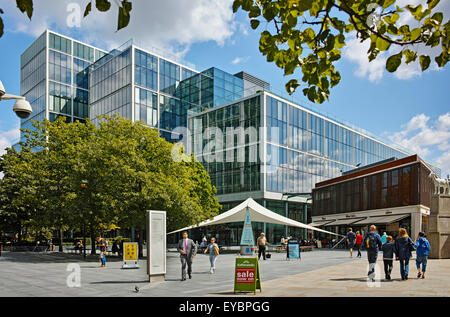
<point>1,246</point>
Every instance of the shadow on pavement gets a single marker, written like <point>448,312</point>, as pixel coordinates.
<point>53,257</point>
<point>359,279</point>
<point>346,279</point>
<point>119,282</point>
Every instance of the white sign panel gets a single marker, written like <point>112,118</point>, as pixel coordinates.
<point>156,247</point>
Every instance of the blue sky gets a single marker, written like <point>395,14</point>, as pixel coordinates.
<point>409,108</point>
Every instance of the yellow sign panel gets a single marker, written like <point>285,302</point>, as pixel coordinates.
<point>130,251</point>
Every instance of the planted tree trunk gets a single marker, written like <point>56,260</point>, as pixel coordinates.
<point>92,240</point>
<point>60,240</point>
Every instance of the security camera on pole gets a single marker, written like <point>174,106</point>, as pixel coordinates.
<point>22,107</point>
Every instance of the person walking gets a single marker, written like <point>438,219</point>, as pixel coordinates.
<point>388,257</point>
<point>402,248</point>
<point>102,244</point>
<point>422,249</point>
<point>372,243</point>
<point>261,244</point>
<point>213,249</point>
<point>358,242</point>
<point>115,247</point>
<point>351,237</point>
<point>383,238</point>
<point>188,250</point>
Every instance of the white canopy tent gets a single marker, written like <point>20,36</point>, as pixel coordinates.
<point>257,212</point>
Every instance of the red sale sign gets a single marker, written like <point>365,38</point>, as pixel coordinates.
<point>245,275</point>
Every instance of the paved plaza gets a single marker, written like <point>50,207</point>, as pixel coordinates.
<point>318,273</point>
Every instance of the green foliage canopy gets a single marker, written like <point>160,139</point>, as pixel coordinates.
<point>126,169</point>
<point>310,34</point>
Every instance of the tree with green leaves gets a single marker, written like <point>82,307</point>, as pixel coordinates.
<point>87,177</point>
<point>310,34</point>
<point>18,189</point>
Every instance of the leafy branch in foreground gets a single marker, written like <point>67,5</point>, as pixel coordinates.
<point>310,35</point>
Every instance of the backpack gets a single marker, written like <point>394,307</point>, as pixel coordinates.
<point>370,242</point>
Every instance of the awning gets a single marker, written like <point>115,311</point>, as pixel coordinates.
<point>257,212</point>
<point>345,221</point>
<point>319,223</point>
<point>382,219</point>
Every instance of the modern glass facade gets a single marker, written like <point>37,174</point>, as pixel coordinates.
<point>111,88</point>
<point>271,146</point>
<point>237,166</point>
<point>54,78</point>
<point>300,148</point>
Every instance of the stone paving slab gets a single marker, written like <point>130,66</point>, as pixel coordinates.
<point>350,280</point>
<point>34,274</point>
<point>318,273</point>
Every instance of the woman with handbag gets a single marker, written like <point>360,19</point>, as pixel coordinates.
<point>403,247</point>
<point>213,249</point>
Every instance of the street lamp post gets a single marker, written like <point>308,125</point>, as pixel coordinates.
<point>22,107</point>
<point>84,186</point>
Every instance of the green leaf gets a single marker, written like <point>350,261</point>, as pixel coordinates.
<point>410,56</point>
<point>88,9</point>
<point>438,16</point>
<point>404,29</point>
<point>236,5</point>
<point>388,3</point>
<point>124,15</point>
<point>424,62</point>
<point>291,21</point>
<point>415,34</point>
<point>254,23</point>
<point>382,44</point>
<point>291,86</point>
<point>25,6</point>
<point>103,5</point>
<point>312,94</point>
<point>255,11</point>
<point>290,67</point>
<point>393,62</point>
<point>432,3</point>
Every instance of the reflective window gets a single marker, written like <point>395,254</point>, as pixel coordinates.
<point>169,76</point>
<point>146,107</point>
<point>146,70</point>
<point>60,98</point>
<point>60,43</point>
<point>60,67</point>
<point>83,51</point>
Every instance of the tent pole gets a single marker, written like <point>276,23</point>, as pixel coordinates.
<point>286,211</point>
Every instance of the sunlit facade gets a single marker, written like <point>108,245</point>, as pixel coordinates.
<point>296,148</point>
<point>292,149</point>
<point>54,78</point>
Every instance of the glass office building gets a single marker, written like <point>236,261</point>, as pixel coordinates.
<point>285,148</point>
<point>54,78</point>
<point>294,149</point>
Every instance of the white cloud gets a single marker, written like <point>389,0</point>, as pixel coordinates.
<point>169,25</point>
<point>356,52</point>
<point>7,138</point>
<point>430,139</point>
<point>239,60</point>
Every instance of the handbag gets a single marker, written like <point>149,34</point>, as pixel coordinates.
<point>216,250</point>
